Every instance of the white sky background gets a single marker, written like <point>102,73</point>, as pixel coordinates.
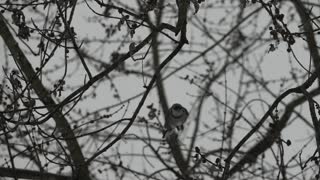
<point>275,65</point>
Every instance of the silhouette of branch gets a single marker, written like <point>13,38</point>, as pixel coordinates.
<point>29,174</point>
<point>61,121</point>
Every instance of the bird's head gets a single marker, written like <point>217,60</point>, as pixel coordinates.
<point>178,111</point>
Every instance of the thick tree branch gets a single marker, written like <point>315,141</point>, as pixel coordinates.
<point>29,174</point>
<point>297,89</point>
<point>307,27</point>
<point>271,136</point>
<point>61,122</point>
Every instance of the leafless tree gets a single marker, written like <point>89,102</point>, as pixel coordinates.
<point>87,85</point>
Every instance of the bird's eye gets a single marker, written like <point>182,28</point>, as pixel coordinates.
<point>176,107</point>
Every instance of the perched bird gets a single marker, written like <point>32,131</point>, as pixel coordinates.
<point>176,117</point>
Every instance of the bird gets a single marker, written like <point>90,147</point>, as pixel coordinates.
<point>175,118</point>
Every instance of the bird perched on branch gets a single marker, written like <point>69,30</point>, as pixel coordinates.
<point>176,117</point>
